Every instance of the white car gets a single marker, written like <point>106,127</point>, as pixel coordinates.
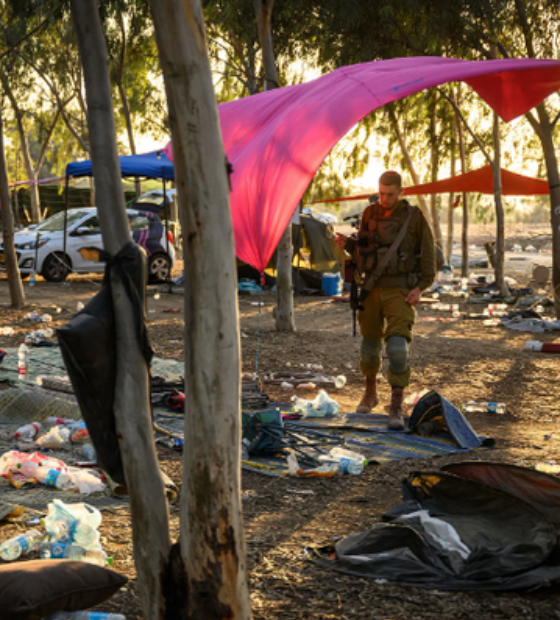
<point>41,248</point>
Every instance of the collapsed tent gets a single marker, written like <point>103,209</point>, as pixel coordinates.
<point>459,533</point>
<point>277,140</point>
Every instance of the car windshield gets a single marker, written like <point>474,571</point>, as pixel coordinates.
<point>56,222</point>
<point>150,198</point>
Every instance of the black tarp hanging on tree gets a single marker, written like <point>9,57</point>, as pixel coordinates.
<point>88,347</point>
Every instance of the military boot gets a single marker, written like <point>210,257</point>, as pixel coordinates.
<point>396,421</point>
<point>369,399</point>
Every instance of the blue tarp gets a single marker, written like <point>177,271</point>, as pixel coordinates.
<point>154,165</point>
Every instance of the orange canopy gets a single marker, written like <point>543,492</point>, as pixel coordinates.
<point>481,181</point>
<point>478,181</point>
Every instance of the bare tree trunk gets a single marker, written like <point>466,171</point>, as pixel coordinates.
<point>285,320</point>
<point>500,226</point>
<point>465,223</point>
<point>544,130</point>
<point>451,210</point>
<point>409,163</point>
<point>24,143</point>
<point>211,538</point>
<point>150,524</point>
<point>17,297</point>
<point>434,147</point>
<point>263,12</point>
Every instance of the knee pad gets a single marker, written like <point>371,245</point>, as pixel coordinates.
<point>370,351</point>
<point>397,352</point>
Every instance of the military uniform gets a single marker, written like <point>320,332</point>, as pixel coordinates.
<point>385,311</point>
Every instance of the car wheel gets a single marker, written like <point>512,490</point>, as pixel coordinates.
<point>159,267</point>
<point>55,267</point>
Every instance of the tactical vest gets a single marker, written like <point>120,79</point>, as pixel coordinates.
<point>376,236</point>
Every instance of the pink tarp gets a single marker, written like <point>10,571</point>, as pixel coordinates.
<point>277,140</point>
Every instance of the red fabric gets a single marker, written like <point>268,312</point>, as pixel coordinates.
<point>277,140</point>
<point>478,181</point>
<point>481,181</point>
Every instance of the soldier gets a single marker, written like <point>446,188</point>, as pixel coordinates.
<point>396,260</point>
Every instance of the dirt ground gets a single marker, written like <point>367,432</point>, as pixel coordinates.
<point>462,360</point>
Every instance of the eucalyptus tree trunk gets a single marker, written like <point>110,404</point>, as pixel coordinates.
<point>451,209</point>
<point>17,297</point>
<point>465,222</point>
<point>500,220</point>
<point>544,130</point>
<point>434,147</point>
<point>408,159</point>
<point>132,410</point>
<point>285,321</point>
<point>212,559</point>
<point>24,143</point>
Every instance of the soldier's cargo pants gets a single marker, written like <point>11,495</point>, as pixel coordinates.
<point>387,316</point>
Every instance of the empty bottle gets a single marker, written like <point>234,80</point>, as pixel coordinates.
<point>46,476</point>
<point>339,382</point>
<point>23,368</point>
<point>29,431</point>
<point>15,547</point>
<point>341,452</point>
<point>484,407</point>
<point>32,278</point>
<point>350,466</point>
<point>88,452</point>
<point>61,551</point>
<point>84,615</point>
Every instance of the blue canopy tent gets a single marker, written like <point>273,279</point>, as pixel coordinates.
<point>153,165</point>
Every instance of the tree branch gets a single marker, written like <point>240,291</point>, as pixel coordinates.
<point>467,126</point>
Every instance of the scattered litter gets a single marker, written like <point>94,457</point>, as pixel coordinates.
<point>7,331</point>
<point>18,546</point>
<point>545,347</point>
<point>322,405</point>
<point>301,491</point>
<point>79,306</point>
<point>57,438</point>
<point>172,310</point>
<point>306,386</point>
<point>484,407</point>
<point>286,386</point>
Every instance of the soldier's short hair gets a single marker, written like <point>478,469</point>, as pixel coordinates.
<point>390,177</point>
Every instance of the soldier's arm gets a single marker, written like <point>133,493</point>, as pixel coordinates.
<point>350,246</point>
<point>428,257</point>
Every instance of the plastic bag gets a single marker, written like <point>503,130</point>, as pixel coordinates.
<point>57,438</point>
<point>73,523</point>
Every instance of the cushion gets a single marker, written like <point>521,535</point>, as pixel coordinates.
<point>34,589</point>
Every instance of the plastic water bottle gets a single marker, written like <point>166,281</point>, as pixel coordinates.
<point>23,368</point>
<point>339,382</point>
<point>15,547</point>
<point>484,407</point>
<point>46,476</point>
<point>84,615</point>
<point>88,452</point>
<point>32,278</point>
<point>350,466</point>
<point>29,431</point>
<point>340,452</point>
<point>61,551</point>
